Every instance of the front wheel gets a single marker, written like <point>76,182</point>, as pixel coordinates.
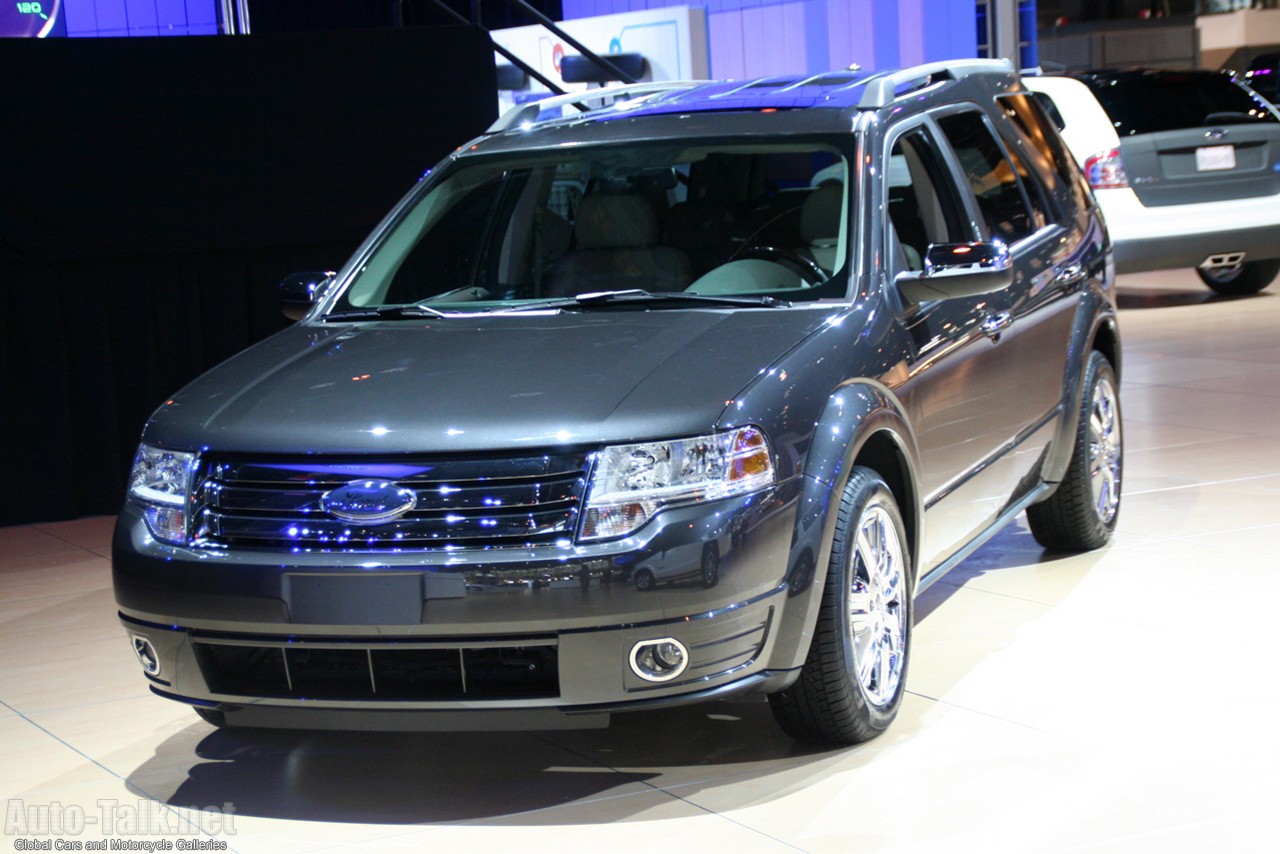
<point>853,679</point>
<point>1242,279</point>
<point>1082,513</point>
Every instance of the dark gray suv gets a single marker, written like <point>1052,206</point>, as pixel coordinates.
<point>674,399</point>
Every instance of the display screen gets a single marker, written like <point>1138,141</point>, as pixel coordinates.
<point>30,19</point>
<point>107,18</point>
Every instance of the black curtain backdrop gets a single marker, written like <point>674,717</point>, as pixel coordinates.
<point>154,193</point>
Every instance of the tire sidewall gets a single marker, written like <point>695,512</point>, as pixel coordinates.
<point>1099,369</point>
<point>865,491</point>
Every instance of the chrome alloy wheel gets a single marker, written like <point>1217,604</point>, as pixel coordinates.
<point>877,612</point>
<point>1105,450</point>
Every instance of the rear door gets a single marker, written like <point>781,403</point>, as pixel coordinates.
<point>1032,323</point>
<point>969,398</point>
<point>1191,137</point>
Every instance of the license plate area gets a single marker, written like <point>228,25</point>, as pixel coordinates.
<point>1215,158</point>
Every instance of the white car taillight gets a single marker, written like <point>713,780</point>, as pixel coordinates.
<point>1105,170</point>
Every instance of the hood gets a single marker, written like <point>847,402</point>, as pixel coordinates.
<point>481,383</point>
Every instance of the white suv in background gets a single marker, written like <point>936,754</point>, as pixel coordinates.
<point>1186,167</point>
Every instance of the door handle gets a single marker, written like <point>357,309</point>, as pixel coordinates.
<point>1069,274</point>
<point>995,323</point>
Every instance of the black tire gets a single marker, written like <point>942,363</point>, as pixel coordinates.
<point>1082,513</point>
<point>1242,279</point>
<point>644,579</point>
<point>211,716</point>
<point>840,697</point>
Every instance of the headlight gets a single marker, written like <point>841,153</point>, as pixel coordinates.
<point>631,483</point>
<point>161,480</point>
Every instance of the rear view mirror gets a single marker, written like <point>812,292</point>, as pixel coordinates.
<point>300,291</point>
<point>953,270</point>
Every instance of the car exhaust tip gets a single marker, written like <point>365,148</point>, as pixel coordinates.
<point>1222,259</point>
<point>659,660</point>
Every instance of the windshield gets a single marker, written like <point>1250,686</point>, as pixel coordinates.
<point>510,232</point>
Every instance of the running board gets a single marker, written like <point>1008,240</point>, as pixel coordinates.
<point>1035,496</point>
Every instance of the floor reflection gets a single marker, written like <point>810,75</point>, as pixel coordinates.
<point>416,778</point>
<point>1138,298</point>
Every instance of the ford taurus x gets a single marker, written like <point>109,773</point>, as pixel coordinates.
<point>678,398</point>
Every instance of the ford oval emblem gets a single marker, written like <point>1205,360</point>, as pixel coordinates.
<point>369,502</point>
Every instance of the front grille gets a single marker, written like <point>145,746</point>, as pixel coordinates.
<point>461,502</point>
<point>391,672</point>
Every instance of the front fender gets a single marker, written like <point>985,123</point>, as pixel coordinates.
<point>861,424</point>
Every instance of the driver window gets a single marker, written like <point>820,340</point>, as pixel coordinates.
<point>923,209</point>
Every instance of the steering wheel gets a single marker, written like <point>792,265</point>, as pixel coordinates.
<point>806,268</point>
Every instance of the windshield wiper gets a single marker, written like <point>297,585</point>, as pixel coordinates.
<point>388,312</point>
<point>638,297</point>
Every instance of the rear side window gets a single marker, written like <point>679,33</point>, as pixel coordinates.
<point>993,179</point>
<point>1150,102</point>
<point>1032,184</point>
<point>1042,145</point>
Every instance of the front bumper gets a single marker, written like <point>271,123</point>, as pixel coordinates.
<point>410,640</point>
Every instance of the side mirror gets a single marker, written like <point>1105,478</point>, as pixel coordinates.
<point>953,270</point>
<point>299,292</point>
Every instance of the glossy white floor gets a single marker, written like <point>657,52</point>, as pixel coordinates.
<point>1108,702</point>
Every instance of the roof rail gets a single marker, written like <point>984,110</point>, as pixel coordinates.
<point>881,90</point>
<point>1044,69</point>
<point>529,112</point>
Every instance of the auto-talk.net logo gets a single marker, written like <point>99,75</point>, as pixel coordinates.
<point>111,825</point>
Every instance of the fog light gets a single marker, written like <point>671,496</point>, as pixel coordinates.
<point>146,655</point>
<point>659,660</point>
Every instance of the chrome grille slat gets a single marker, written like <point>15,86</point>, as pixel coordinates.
<point>476,502</point>
<point>412,472</point>
<point>262,498</point>
<point>395,534</point>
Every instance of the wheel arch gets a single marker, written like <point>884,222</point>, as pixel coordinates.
<point>882,452</point>
<point>1106,340</point>
<point>1100,333</point>
<point>863,425</point>
<point>875,433</point>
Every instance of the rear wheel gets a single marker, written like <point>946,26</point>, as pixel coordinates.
<point>1082,513</point>
<point>853,679</point>
<point>1242,279</point>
